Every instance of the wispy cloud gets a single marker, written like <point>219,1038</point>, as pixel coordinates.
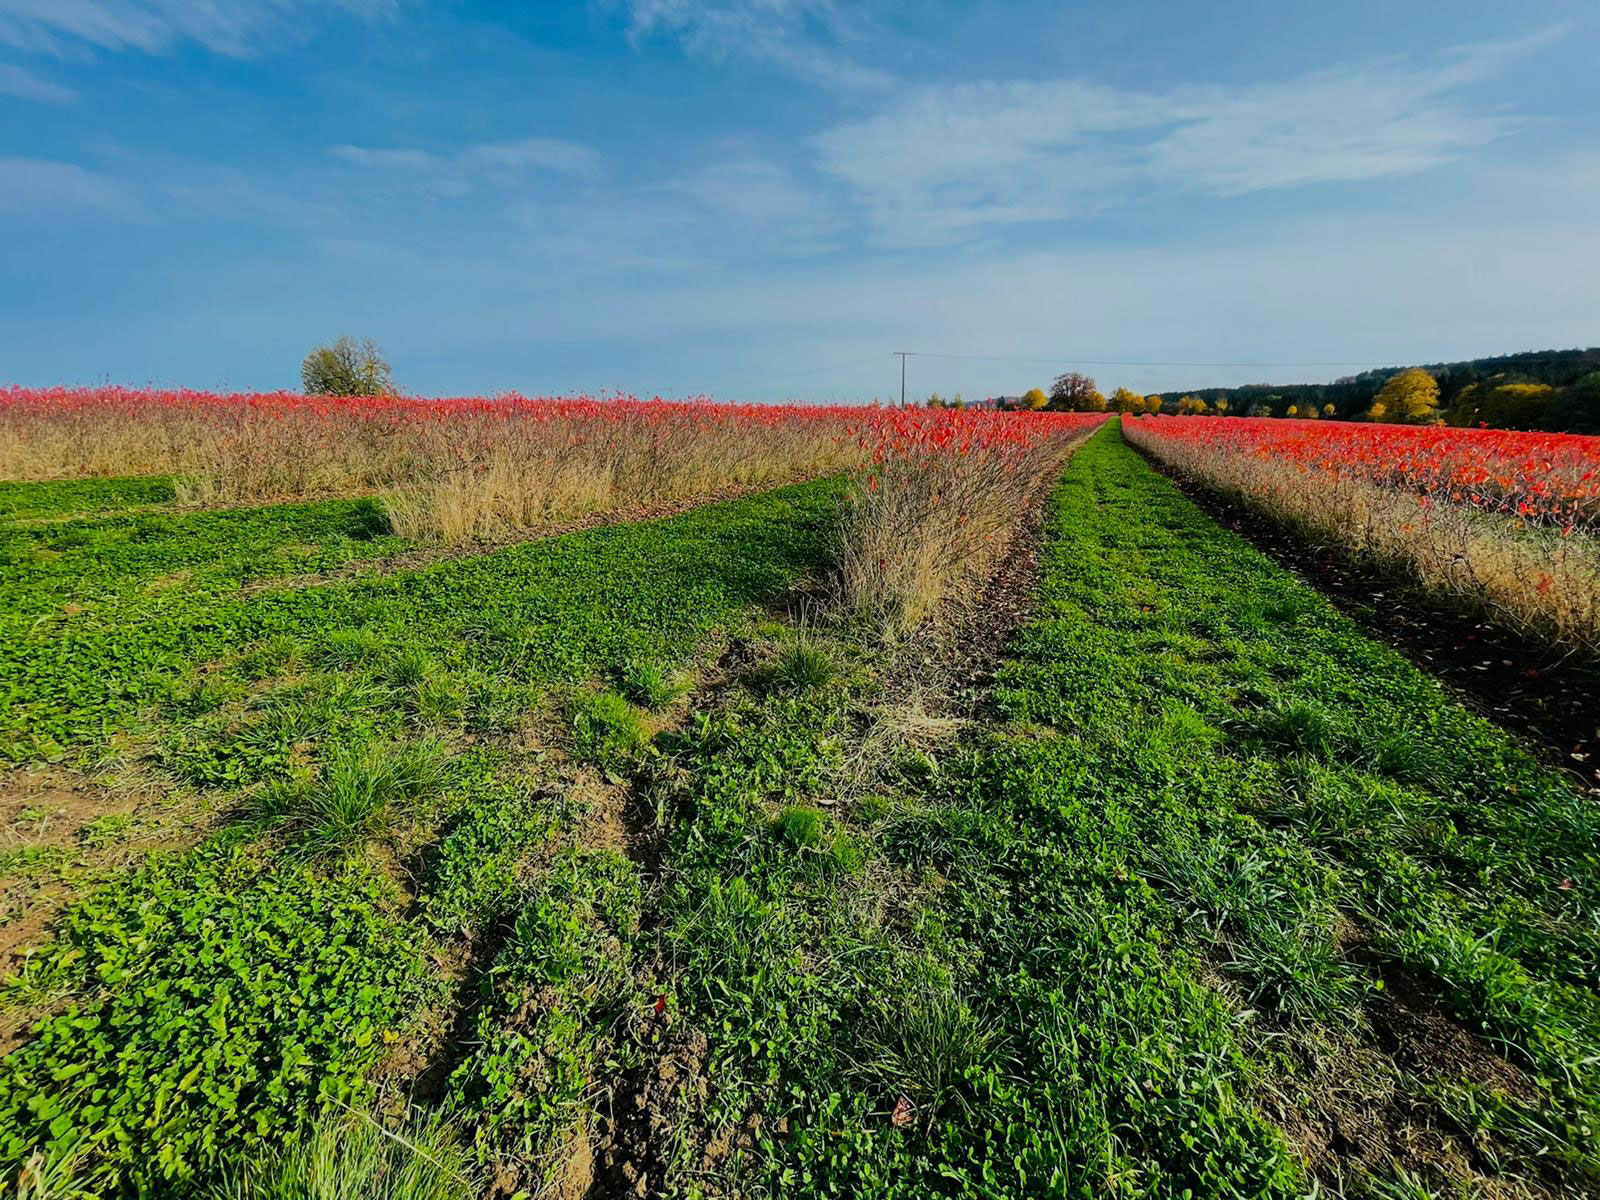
<point>945,163</point>
<point>46,189</point>
<point>545,154</point>
<point>811,40</point>
<point>232,27</point>
<point>487,163</point>
<point>25,85</point>
<point>752,198</point>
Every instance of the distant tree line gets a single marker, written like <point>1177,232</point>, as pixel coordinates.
<point>1556,390</point>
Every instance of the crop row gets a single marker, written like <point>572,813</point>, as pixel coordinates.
<point>471,467</point>
<point>1500,522</point>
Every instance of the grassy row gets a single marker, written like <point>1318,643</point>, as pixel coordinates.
<point>1312,802</point>
<point>946,985</point>
<point>561,607</point>
<point>198,1011</point>
<point>68,497</point>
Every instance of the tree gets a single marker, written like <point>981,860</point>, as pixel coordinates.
<point>935,400</point>
<point>1075,393</point>
<point>1124,400</point>
<point>957,402</point>
<point>1190,406</point>
<point>1034,399</point>
<point>1408,398</point>
<point>1152,404</point>
<point>349,367</point>
<point>1221,404</point>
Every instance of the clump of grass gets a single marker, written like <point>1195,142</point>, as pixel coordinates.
<point>408,667</point>
<point>437,700</point>
<point>805,664</point>
<point>801,826</point>
<point>206,693</point>
<point>648,683</point>
<point>922,1042</point>
<point>606,731</point>
<point>350,1156</point>
<point>277,655</point>
<point>360,794</point>
<point>1400,755</point>
<point>1298,727</point>
<point>351,647</point>
<point>56,1173</point>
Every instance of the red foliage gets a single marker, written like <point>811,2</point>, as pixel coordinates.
<point>1544,478</point>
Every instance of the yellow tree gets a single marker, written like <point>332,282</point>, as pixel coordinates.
<point>1190,406</point>
<point>1152,404</point>
<point>1409,398</point>
<point>1034,398</point>
<point>1125,400</point>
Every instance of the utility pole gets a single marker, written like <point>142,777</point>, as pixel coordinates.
<point>903,355</point>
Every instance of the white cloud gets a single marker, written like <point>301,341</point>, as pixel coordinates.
<point>232,27</point>
<point>809,39</point>
<point>387,159</point>
<point>490,164</point>
<point>25,85</point>
<point>46,189</point>
<point>751,197</point>
<point>946,162</point>
<point>455,174</point>
<point>547,154</point>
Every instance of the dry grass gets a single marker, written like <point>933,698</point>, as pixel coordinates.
<point>448,469</point>
<point>524,475</point>
<point>930,518</point>
<point>1531,578</point>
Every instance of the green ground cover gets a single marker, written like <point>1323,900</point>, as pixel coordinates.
<point>1137,932</point>
<point>364,738</point>
<point>1213,896</point>
<point>66,497</point>
<point>563,607</point>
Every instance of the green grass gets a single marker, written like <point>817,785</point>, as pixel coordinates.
<point>1103,941</point>
<point>351,1156</point>
<point>220,1003</point>
<point>200,1010</point>
<point>1085,944</point>
<point>67,497</point>
<point>566,608</point>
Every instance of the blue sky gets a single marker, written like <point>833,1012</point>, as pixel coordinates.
<point>764,198</point>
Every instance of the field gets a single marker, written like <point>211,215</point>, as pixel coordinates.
<point>588,798</point>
